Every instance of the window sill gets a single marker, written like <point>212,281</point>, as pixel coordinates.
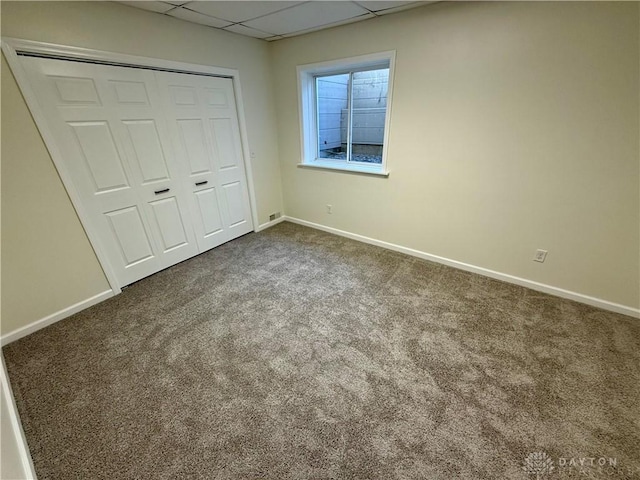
<point>342,167</point>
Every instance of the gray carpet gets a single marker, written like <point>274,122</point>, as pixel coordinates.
<point>296,354</point>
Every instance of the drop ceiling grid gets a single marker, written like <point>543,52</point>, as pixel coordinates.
<point>271,20</point>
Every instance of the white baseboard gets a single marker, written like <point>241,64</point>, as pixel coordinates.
<point>26,462</point>
<point>54,317</point>
<point>264,226</point>
<point>540,287</point>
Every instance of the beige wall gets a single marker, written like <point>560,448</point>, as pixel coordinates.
<point>514,127</point>
<point>47,261</point>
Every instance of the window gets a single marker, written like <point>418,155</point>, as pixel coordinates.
<point>344,109</point>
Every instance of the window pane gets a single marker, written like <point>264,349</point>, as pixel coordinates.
<point>332,94</point>
<point>370,90</point>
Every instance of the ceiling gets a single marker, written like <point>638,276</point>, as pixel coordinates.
<point>272,20</point>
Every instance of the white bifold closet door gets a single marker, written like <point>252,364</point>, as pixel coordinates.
<point>154,157</point>
<point>206,139</point>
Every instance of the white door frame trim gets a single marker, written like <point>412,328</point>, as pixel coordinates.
<point>11,47</point>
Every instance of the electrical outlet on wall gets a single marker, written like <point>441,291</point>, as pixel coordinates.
<point>540,256</point>
<point>329,209</point>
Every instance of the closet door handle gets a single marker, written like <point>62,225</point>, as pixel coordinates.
<point>164,190</point>
<point>202,183</point>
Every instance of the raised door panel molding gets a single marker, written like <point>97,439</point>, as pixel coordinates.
<point>233,196</point>
<point>172,230</point>
<point>75,91</point>
<point>149,156</point>
<point>224,137</point>
<point>194,144</point>
<point>130,93</point>
<point>130,235</point>
<point>209,211</point>
<point>100,155</point>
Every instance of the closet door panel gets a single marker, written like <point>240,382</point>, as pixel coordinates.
<point>109,128</point>
<point>154,157</point>
<point>206,136</point>
<point>147,150</point>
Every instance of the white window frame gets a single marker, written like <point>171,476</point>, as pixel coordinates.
<point>307,107</point>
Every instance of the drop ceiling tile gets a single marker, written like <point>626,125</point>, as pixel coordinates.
<point>375,5</point>
<point>306,16</point>
<point>159,7</point>
<point>400,8</point>
<point>196,17</point>
<point>239,11</point>
<point>250,32</point>
<point>366,16</point>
